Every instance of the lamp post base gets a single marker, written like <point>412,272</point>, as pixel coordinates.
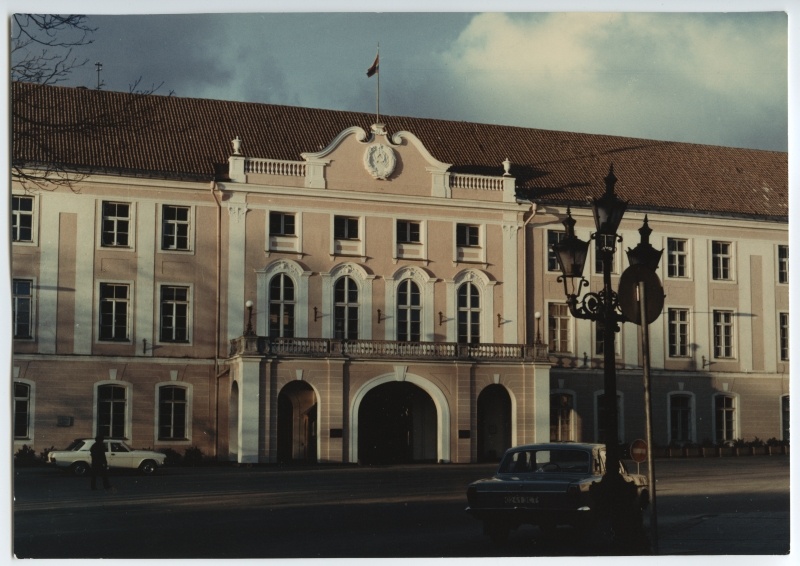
<point>621,514</point>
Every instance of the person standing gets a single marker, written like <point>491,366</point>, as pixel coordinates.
<point>99,462</point>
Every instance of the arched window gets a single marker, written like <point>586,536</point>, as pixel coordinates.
<point>111,410</point>
<point>409,312</point>
<point>724,418</point>
<point>345,310</point>
<point>281,306</point>
<point>785,417</point>
<point>469,314</point>
<point>562,409</point>
<point>171,412</point>
<point>681,419</point>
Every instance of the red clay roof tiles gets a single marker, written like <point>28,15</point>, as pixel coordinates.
<point>191,138</point>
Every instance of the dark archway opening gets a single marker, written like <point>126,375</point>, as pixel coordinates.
<point>494,423</point>
<point>297,423</point>
<point>397,424</point>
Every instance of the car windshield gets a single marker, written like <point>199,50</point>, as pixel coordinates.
<point>545,460</point>
<point>76,444</point>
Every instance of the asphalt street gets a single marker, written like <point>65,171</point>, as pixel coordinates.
<point>706,506</point>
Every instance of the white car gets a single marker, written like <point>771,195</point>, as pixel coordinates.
<point>77,459</point>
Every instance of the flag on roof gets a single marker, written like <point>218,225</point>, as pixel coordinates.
<point>374,68</point>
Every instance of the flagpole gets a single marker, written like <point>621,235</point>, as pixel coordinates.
<point>378,102</point>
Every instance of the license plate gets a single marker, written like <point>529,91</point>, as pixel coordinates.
<point>521,500</point>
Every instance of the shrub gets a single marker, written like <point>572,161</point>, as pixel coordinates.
<point>192,456</point>
<point>173,457</point>
<point>26,456</point>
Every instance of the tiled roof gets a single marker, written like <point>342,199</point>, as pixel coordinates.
<point>191,138</point>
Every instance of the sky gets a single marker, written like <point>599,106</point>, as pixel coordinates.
<point>712,78</point>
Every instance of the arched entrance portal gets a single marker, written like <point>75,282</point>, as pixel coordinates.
<point>397,423</point>
<point>233,423</point>
<point>297,423</point>
<point>494,423</point>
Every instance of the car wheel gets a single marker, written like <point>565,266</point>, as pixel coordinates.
<point>79,469</point>
<point>498,532</point>
<point>148,467</point>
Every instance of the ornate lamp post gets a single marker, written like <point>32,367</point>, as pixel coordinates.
<point>603,308</point>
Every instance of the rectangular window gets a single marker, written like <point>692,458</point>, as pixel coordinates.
<point>281,224</point>
<point>22,308</point>
<point>116,224</point>
<point>175,227</point>
<point>553,237</point>
<point>174,314</point>
<point>723,334</point>
<point>725,414</point>
<point>407,232</point>
<point>678,320</point>
<point>21,219</point>
<point>22,408</point>
<point>721,261</point>
<point>345,228</point>
<point>784,336</point>
<point>172,413</point>
<point>467,235</point>
<point>602,243</point>
<point>558,325</point>
<point>677,257</point>
<point>111,407</point>
<point>114,302</point>
<point>783,264</point>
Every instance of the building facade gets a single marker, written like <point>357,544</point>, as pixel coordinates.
<point>273,284</point>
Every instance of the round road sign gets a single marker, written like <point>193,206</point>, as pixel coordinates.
<point>628,294</point>
<point>638,451</point>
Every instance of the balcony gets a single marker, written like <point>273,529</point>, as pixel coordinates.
<point>386,349</point>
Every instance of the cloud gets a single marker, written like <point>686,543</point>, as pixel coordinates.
<point>696,77</point>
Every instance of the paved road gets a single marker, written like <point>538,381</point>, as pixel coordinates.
<point>706,506</point>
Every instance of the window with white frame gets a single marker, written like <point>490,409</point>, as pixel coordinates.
<point>553,237</point>
<point>172,412</point>
<point>22,308</point>
<point>721,258</point>
<point>783,264</point>
<point>677,257</point>
<point>281,306</point>
<point>723,334</point>
<point>112,406</point>
<point>600,342</point>
<point>562,409</point>
<point>680,418</point>
<point>469,314</point>
<point>22,410</point>
<point>116,224</point>
<point>281,224</point>
<point>114,311</point>
<point>678,332</point>
<point>21,219</point>
<point>409,312</point>
<point>175,227</point>
<point>784,335</point>
<point>408,232</point>
<point>603,242</point>
<point>345,309</point>
<point>174,325</point>
<point>558,321</point>
<point>724,418</point>
<point>345,227</point>
<point>467,235</point>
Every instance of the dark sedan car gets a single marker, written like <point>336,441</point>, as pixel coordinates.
<point>545,485</point>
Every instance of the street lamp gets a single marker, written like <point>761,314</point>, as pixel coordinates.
<point>603,308</point>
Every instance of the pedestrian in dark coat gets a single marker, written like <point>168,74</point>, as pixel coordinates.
<point>99,462</point>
